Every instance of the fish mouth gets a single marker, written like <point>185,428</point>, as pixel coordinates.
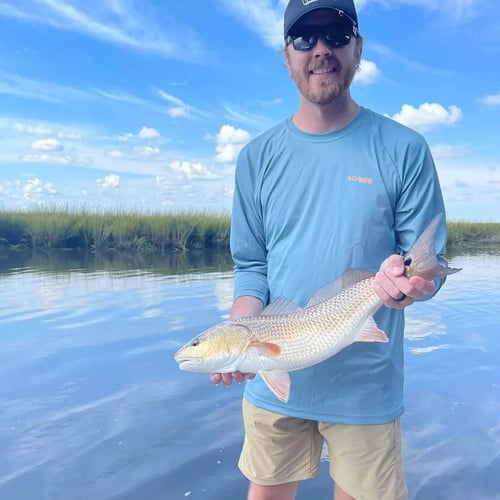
<point>187,363</point>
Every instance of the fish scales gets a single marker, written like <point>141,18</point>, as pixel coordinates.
<point>312,334</point>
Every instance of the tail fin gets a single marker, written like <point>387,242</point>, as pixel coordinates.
<point>421,260</point>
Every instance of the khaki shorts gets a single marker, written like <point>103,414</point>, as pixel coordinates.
<point>365,460</point>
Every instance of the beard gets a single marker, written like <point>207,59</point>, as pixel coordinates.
<point>324,91</point>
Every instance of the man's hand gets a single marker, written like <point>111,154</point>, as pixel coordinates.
<point>228,378</point>
<point>242,306</point>
<point>395,289</point>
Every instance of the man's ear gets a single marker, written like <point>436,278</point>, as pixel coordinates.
<point>359,50</point>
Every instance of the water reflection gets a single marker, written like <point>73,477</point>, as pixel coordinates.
<point>62,261</point>
<point>93,404</point>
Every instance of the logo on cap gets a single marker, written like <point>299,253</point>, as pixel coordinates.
<point>307,2</point>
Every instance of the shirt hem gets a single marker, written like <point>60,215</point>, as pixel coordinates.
<point>321,417</point>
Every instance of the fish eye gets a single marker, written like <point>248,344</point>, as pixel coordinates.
<point>408,261</point>
<point>195,342</point>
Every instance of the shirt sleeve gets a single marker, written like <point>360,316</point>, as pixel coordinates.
<point>420,201</point>
<point>247,240</point>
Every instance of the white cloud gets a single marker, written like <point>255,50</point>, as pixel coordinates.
<point>42,129</point>
<point>39,129</point>
<point>230,141</point>
<point>179,108</point>
<point>427,116</point>
<point>368,73</point>
<point>262,16</point>
<point>56,160</point>
<point>115,154</point>
<point>47,145</point>
<point>147,151</point>
<point>109,182</point>
<point>37,186</point>
<point>491,100</point>
<point>149,133</point>
<point>179,112</point>
<point>192,170</point>
<point>124,137</point>
<point>447,151</point>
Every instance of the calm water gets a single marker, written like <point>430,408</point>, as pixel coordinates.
<point>92,404</point>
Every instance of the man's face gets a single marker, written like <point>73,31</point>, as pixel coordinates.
<point>322,73</point>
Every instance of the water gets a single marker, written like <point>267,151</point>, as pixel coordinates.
<point>92,404</point>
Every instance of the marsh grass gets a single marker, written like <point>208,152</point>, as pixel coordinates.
<point>463,233</point>
<point>119,230</point>
<point>151,232</point>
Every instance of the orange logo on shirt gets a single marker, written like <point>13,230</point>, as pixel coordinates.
<point>360,180</point>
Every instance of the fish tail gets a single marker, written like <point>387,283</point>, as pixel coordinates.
<point>422,261</point>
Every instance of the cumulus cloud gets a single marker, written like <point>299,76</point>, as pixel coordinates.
<point>47,145</point>
<point>109,182</point>
<point>149,133</point>
<point>368,73</point>
<point>427,116</point>
<point>37,186</point>
<point>230,141</point>
<point>191,170</point>
<point>491,100</point>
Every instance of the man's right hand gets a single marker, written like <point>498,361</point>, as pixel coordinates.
<point>228,378</point>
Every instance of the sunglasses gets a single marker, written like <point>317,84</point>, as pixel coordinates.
<point>334,36</point>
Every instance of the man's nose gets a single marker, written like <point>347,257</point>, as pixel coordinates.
<point>322,48</point>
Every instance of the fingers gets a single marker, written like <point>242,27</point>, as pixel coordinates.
<point>228,378</point>
<point>395,289</point>
<point>392,294</point>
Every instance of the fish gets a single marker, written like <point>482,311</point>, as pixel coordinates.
<point>285,337</point>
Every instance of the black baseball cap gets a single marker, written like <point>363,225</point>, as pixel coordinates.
<point>296,9</point>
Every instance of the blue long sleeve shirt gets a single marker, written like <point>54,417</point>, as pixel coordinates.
<point>308,207</point>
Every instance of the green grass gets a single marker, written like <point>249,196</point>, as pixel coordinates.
<point>151,232</point>
<point>119,230</point>
<point>462,233</point>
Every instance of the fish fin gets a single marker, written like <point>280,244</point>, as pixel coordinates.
<point>348,279</point>
<point>264,348</point>
<point>280,306</point>
<point>370,332</point>
<point>278,383</point>
<point>421,260</point>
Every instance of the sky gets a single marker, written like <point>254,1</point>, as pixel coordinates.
<point>144,105</point>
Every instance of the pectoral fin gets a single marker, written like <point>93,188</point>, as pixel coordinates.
<point>278,383</point>
<point>371,332</point>
<point>265,348</point>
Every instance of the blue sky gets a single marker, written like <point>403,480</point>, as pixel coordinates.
<point>145,104</point>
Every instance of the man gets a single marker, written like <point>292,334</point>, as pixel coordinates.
<point>334,187</point>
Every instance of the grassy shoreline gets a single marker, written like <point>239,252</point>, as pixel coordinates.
<point>144,232</point>
<point>120,230</point>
